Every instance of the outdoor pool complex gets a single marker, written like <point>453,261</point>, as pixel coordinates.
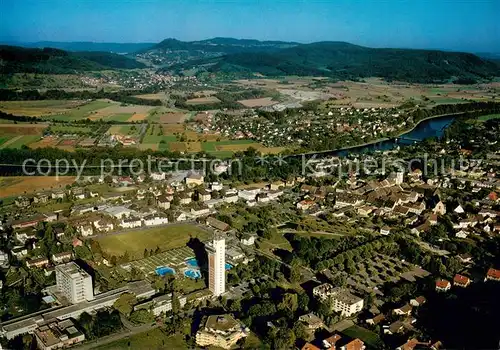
<point>164,270</point>
<point>194,264</point>
<point>193,274</point>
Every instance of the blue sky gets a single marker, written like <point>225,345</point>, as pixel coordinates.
<point>446,24</point>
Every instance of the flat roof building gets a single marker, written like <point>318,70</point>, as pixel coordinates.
<point>74,283</point>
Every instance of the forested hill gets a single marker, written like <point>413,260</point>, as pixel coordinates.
<point>14,59</point>
<point>222,45</point>
<point>347,61</point>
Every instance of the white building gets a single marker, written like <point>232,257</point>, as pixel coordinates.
<point>103,225</point>
<point>343,301</point>
<point>155,220</point>
<point>216,186</point>
<point>131,223</point>
<point>85,230</point>
<point>217,264</point>
<point>158,176</point>
<point>74,283</point>
<point>163,303</point>
<point>249,194</point>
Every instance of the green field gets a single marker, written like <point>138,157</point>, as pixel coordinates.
<point>369,337</point>
<point>17,141</point>
<point>81,112</point>
<point>120,117</point>
<point>153,339</point>
<point>71,129</point>
<point>488,117</point>
<point>167,237</point>
<point>155,138</point>
<point>211,146</point>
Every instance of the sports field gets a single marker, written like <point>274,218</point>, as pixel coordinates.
<point>165,237</point>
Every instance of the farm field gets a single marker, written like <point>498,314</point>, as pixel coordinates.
<point>203,100</point>
<point>39,108</point>
<point>22,129</point>
<point>157,96</point>
<point>17,141</point>
<point>81,112</point>
<point>166,237</point>
<point>121,113</point>
<point>19,185</point>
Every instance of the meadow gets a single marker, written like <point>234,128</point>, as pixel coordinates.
<point>166,237</point>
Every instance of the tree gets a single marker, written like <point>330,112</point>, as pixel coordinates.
<point>289,304</point>
<point>125,303</point>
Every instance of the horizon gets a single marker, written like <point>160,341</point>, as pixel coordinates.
<point>440,25</point>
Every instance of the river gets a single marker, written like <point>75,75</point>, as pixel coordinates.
<point>433,127</point>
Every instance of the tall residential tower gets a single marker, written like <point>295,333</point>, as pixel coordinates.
<point>217,264</point>
<point>74,283</point>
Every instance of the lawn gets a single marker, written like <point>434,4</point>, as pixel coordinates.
<point>369,337</point>
<point>166,237</point>
<point>153,339</point>
<point>488,117</point>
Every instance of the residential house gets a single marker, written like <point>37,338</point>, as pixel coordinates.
<point>85,230</point>
<point>58,194</point>
<point>311,321</point>
<point>193,179</point>
<point>19,252</point>
<point>403,311</point>
<point>158,176</point>
<point>130,222</point>
<point>461,281</point>
<point>40,262</point>
<point>62,257</point>
<point>492,275</point>
<point>22,202</point>
<point>185,199</point>
<point>155,219</point>
<point>249,195</point>
<point>103,225</point>
<point>41,198</point>
<point>305,204</point>
<point>418,301</point>
<point>385,230</point>
<point>376,319</point>
<point>439,208</point>
<point>216,186</point>
<point>196,213</point>
<point>163,202</point>
<point>248,239</point>
<point>204,195</point>
<point>217,224</point>
<point>443,285</point>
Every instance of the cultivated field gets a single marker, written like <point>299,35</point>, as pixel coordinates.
<point>172,117</point>
<point>39,108</point>
<point>203,100</point>
<point>117,112</point>
<point>167,237</point>
<point>157,96</point>
<point>22,129</point>
<point>19,185</point>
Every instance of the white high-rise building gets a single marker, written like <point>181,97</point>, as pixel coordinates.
<point>74,283</point>
<point>217,264</point>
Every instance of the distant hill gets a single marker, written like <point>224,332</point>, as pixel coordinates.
<point>223,45</point>
<point>347,61</point>
<point>15,59</point>
<point>120,48</point>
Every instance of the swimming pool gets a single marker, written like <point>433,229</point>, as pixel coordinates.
<point>192,262</point>
<point>164,270</point>
<point>229,266</point>
<point>193,274</point>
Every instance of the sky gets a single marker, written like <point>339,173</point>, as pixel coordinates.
<point>471,25</point>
